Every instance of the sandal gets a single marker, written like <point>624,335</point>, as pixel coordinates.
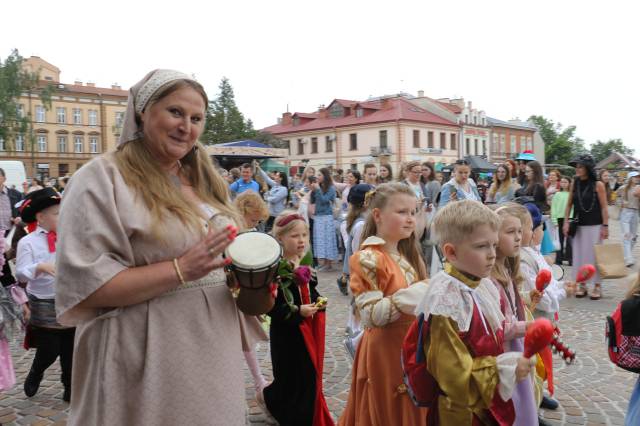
<point>582,291</point>
<point>596,294</point>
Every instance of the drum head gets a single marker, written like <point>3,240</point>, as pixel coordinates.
<point>557,271</point>
<point>253,250</point>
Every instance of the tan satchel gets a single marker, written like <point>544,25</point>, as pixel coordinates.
<point>610,260</point>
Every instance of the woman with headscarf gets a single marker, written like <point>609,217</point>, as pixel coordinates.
<point>139,271</point>
<point>589,201</point>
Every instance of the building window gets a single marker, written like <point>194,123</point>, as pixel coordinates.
<point>19,143</point>
<point>353,142</point>
<point>475,147</point>
<point>93,117</point>
<point>429,139</point>
<point>513,144</point>
<point>453,141</point>
<point>336,111</point>
<point>119,119</point>
<point>484,147</point>
<point>40,114</point>
<point>63,169</point>
<point>288,146</point>
<point>466,118</point>
<point>523,143</point>
<point>382,136</point>
<point>328,143</point>
<point>93,145</point>
<point>20,110</point>
<point>300,147</point>
<point>314,145</point>
<point>503,145</point>
<point>42,143</point>
<point>467,144</point>
<point>2,147</point>
<point>484,121</point>
<point>61,114</point>
<point>77,144</point>
<point>443,140</point>
<point>474,119</point>
<point>62,144</point>
<point>416,138</point>
<point>359,112</point>
<point>77,116</point>
<point>530,143</point>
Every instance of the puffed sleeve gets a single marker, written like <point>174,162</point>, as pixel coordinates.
<point>369,277</point>
<point>93,244</point>
<point>469,384</point>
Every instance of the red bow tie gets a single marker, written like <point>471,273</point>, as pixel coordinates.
<point>52,237</point>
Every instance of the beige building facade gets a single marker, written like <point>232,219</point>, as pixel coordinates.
<point>82,122</point>
<point>387,131</point>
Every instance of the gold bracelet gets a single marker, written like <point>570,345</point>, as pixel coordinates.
<point>178,272</point>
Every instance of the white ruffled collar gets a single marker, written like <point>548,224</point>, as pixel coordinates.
<point>373,241</point>
<point>449,297</point>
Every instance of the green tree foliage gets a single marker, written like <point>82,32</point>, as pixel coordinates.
<point>601,150</point>
<point>271,140</point>
<point>14,82</point>
<point>225,122</point>
<point>560,144</point>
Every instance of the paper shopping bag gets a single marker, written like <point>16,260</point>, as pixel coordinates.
<point>610,260</point>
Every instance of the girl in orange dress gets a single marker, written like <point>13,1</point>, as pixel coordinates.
<point>387,280</point>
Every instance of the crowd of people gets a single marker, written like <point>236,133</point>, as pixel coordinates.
<point>136,288</point>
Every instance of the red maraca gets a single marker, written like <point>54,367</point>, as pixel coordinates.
<point>585,273</point>
<point>537,337</point>
<point>543,279</point>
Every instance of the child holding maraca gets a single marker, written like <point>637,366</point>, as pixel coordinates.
<point>464,349</point>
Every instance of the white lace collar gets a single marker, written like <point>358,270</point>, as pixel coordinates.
<point>451,298</point>
<point>373,241</point>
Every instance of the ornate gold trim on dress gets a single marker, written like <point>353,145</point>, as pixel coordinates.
<point>406,268</point>
<point>213,279</point>
<point>368,261</point>
<point>461,276</point>
<point>373,241</point>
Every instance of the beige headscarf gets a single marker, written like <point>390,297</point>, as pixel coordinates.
<point>139,96</point>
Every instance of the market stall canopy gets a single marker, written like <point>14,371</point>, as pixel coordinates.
<point>248,149</point>
<point>480,164</point>
<point>618,161</point>
<point>270,165</point>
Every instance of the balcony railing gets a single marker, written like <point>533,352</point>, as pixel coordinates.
<point>380,150</point>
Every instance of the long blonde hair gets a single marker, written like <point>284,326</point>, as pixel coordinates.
<point>510,269</point>
<point>140,171</point>
<point>250,202</point>
<point>501,187</point>
<point>635,288</point>
<point>408,247</point>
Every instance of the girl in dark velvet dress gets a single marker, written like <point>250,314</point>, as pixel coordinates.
<point>297,334</point>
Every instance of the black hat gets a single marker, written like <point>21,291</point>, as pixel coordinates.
<point>583,159</point>
<point>357,193</point>
<point>37,201</point>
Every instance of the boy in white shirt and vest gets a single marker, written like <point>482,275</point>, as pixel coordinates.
<point>35,265</point>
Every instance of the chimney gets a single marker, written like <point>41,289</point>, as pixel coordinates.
<point>116,86</point>
<point>421,93</point>
<point>77,82</point>
<point>286,118</point>
<point>469,105</point>
<point>90,84</point>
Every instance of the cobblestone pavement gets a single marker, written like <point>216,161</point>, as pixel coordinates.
<point>591,391</point>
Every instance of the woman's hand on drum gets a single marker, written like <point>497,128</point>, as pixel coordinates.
<point>204,257</point>
<point>308,310</point>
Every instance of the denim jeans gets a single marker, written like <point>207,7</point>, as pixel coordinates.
<point>629,226</point>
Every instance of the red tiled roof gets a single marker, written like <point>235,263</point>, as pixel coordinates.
<point>369,105</point>
<point>451,107</point>
<point>94,90</point>
<point>391,110</point>
<point>306,115</point>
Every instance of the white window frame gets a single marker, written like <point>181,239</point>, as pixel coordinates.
<point>41,116</point>
<point>2,146</point>
<point>62,143</point>
<point>20,110</point>
<point>42,143</point>
<point>19,143</point>
<point>503,144</point>
<point>93,117</point>
<point>77,116</point>
<point>78,142</point>
<point>93,145</point>
<point>119,118</point>
<point>513,144</point>
<point>61,115</point>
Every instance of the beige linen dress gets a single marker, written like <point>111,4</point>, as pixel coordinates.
<point>175,359</point>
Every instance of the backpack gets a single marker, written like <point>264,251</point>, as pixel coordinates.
<point>623,335</point>
<point>421,386</point>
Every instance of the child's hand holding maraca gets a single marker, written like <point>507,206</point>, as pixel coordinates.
<point>535,297</point>
<point>523,369</point>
